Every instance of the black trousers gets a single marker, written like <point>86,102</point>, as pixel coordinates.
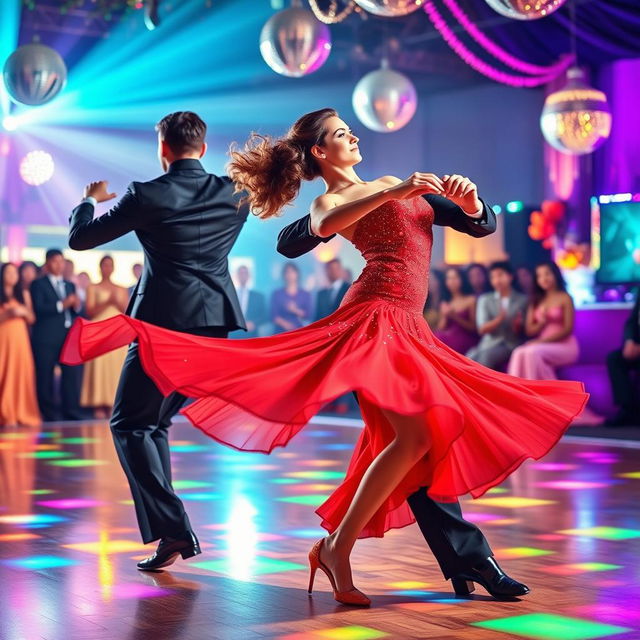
<point>46,355</point>
<point>140,425</point>
<point>622,383</point>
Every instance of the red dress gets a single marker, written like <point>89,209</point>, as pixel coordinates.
<point>256,394</point>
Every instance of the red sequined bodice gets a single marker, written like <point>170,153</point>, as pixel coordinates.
<point>395,239</point>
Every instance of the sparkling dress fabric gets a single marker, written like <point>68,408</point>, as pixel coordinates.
<point>257,394</point>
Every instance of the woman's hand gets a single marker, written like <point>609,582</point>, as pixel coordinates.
<point>463,192</point>
<point>417,184</point>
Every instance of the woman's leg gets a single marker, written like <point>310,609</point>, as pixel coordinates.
<point>412,441</point>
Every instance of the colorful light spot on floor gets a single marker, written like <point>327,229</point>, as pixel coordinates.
<point>201,497</point>
<point>70,503</point>
<point>135,591</point>
<point>497,490</point>
<point>352,632</point>
<point>317,475</point>
<point>255,566</point>
<point>33,518</point>
<point>40,492</point>
<point>554,466</point>
<point>409,584</point>
<point>17,537</point>
<point>513,502</point>
<point>46,455</point>
<point>581,567</point>
<point>522,552</point>
<point>634,475</point>
<point>481,517</point>
<point>180,485</point>
<point>571,485</point>
<point>108,546</point>
<point>320,463</point>
<point>314,500</point>
<point>35,563</point>
<point>551,627</point>
<point>285,481</point>
<point>78,440</point>
<point>305,533</point>
<point>80,462</point>
<point>603,533</point>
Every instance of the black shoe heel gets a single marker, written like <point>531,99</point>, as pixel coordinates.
<point>463,587</point>
<point>189,553</point>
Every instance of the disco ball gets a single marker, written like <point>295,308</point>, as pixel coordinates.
<point>390,8</point>
<point>293,43</point>
<point>576,119</point>
<point>384,100</point>
<point>525,9</point>
<point>34,74</point>
<point>36,168</point>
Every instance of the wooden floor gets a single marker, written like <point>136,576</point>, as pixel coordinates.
<point>568,526</point>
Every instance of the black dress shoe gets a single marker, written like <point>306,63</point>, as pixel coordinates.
<point>169,549</point>
<point>492,578</point>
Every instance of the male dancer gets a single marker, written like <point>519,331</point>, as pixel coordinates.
<point>187,221</point>
<point>459,546</point>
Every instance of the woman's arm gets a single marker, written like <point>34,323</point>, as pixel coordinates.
<point>31,316</point>
<point>331,214</point>
<point>531,326</point>
<point>443,317</point>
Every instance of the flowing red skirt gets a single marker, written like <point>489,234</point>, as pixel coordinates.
<point>257,394</point>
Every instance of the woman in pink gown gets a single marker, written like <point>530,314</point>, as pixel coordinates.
<point>549,322</point>
<point>432,417</point>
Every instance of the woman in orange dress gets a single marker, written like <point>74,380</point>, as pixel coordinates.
<point>100,379</point>
<point>18,404</point>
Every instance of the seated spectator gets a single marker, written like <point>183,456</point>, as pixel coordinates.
<point>478,278</point>
<point>499,318</point>
<point>457,323</point>
<point>329,298</point>
<point>290,305</point>
<point>431,311</point>
<point>252,304</point>
<point>18,404</point>
<point>525,280</point>
<point>622,364</point>
<point>549,324</point>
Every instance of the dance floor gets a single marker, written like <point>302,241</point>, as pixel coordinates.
<point>568,526</point>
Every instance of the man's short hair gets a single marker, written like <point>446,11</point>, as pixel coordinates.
<point>183,131</point>
<point>52,253</point>
<point>501,264</point>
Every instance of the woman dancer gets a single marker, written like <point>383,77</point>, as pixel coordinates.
<point>433,418</point>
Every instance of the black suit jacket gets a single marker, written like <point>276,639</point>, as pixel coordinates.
<point>296,239</point>
<point>187,221</point>
<point>49,326</point>
<point>632,325</point>
<point>326,303</point>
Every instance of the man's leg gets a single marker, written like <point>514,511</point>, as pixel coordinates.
<point>620,369</point>
<point>144,452</point>
<point>456,543</point>
<point>70,384</point>
<point>494,357</point>
<point>45,357</point>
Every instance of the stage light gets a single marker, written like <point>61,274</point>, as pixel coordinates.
<point>10,123</point>
<point>514,206</point>
<point>497,209</point>
<point>37,167</point>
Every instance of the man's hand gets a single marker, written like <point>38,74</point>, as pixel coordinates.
<point>99,191</point>
<point>463,192</point>
<point>70,301</point>
<point>417,184</point>
<point>631,350</point>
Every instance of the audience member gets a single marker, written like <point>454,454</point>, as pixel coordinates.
<point>252,304</point>
<point>55,305</point>
<point>329,298</point>
<point>525,280</point>
<point>431,311</point>
<point>478,278</point>
<point>18,404</point>
<point>499,318</point>
<point>290,305</point>
<point>457,323</point>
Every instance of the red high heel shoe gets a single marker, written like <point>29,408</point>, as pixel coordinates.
<point>352,597</point>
